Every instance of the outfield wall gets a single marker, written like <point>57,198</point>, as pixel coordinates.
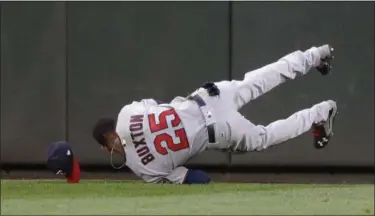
<point>65,64</point>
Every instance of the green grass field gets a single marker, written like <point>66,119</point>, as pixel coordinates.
<point>90,197</point>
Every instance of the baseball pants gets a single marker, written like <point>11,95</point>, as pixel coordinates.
<point>242,134</point>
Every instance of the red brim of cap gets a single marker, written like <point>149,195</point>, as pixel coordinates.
<point>75,175</point>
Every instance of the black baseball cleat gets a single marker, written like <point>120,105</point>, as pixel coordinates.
<point>325,66</point>
<point>323,132</point>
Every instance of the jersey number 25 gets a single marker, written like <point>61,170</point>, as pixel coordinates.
<point>167,138</point>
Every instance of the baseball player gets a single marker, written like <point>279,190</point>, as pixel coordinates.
<point>156,139</point>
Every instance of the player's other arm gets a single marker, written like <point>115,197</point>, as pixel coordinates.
<point>196,177</point>
<point>182,175</point>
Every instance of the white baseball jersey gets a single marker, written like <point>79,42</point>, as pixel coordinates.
<point>161,138</point>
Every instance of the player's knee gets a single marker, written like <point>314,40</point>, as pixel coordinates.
<point>261,142</point>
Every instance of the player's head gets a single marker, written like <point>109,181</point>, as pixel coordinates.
<point>62,161</point>
<point>104,133</point>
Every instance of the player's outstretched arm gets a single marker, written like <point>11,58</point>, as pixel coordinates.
<point>196,177</point>
<point>182,175</point>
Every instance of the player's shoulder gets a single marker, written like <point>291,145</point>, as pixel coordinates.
<point>126,113</point>
<point>130,107</point>
<point>134,108</point>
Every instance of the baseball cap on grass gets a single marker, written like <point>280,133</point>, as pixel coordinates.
<point>62,161</point>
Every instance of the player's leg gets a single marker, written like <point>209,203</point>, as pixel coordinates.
<point>262,80</point>
<point>245,136</point>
